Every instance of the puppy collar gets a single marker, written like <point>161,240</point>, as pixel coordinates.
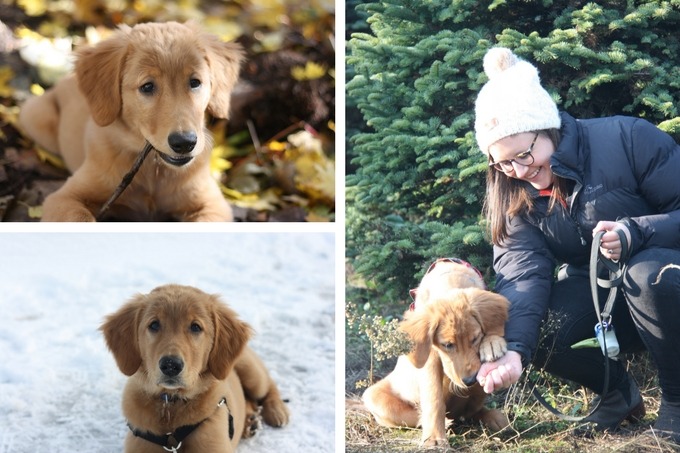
<point>414,291</point>
<point>172,441</point>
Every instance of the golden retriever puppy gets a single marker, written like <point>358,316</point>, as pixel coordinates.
<point>193,380</point>
<point>455,326</point>
<point>149,83</point>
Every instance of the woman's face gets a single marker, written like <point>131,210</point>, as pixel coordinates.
<point>518,148</point>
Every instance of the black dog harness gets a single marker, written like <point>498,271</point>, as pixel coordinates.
<point>172,441</point>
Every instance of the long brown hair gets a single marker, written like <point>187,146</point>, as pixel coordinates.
<point>507,197</point>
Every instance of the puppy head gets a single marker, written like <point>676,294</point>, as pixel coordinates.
<point>174,336</point>
<point>453,325</point>
<point>159,79</point>
<point>443,277</point>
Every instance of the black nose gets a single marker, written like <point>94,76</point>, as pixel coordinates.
<point>171,366</point>
<point>470,380</point>
<point>182,142</point>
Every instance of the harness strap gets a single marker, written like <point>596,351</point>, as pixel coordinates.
<point>173,441</point>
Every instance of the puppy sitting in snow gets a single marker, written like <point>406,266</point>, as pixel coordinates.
<point>194,383</point>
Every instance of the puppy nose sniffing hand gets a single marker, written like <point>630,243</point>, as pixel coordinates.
<point>610,244</point>
<point>500,374</point>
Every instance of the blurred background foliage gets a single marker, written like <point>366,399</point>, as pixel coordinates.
<point>415,177</point>
<point>275,158</point>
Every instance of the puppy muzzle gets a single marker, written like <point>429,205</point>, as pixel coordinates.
<point>470,380</point>
<point>178,161</point>
<point>182,144</point>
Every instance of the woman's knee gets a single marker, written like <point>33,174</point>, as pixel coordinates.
<point>651,273</point>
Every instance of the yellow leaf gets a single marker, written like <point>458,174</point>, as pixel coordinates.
<point>265,201</point>
<point>34,7</point>
<point>268,13</point>
<point>53,159</point>
<point>10,115</point>
<point>316,177</point>
<point>35,212</point>
<point>218,160</point>
<point>37,90</point>
<point>6,74</point>
<point>311,71</point>
<point>227,30</point>
<point>276,146</point>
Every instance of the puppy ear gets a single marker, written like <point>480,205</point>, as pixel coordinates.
<point>421,329</point>
<point>224,59</point>
<point>491,310</point>
<point>120,332</point>
<point>99,71</point>
<point>231,336</point>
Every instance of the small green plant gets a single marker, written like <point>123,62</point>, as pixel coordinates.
<point>384,338</point>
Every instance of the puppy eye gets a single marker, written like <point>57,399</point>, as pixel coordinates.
<point>448,346</point>
<point>147,88</point>
<point>155,326</point>
<point>196,328</point>
<point>194,83</point>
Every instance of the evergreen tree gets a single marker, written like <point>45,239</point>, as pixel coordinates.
<point>416,181</point>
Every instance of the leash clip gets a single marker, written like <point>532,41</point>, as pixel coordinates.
<point>173,449</point>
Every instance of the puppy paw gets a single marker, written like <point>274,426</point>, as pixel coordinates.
<point>431,441</point>
<point>493,347</point>
<point>494,419</point>
<point>253,423</point>
<point>274,411</point>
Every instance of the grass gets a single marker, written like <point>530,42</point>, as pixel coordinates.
<point>533,428</point>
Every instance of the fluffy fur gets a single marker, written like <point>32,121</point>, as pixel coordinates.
<point>152,82</point>
<point>455,326</point>
<point>184,351</point>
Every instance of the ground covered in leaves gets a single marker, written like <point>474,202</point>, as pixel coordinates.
<point>274,159</point>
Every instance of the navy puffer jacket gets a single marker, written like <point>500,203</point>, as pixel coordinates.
<point>621,168</point>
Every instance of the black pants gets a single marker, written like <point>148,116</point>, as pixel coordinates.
<point>646,315</point>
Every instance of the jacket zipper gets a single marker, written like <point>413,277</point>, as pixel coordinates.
<point>572,215</point>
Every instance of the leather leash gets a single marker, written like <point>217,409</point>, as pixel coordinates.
<point>616,270</point>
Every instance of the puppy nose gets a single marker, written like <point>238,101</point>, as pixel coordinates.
<point>470,380</point>
<point>182,142</point>
<point>171,366</point>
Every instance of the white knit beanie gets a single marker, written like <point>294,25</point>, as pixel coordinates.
<point>512,101</point>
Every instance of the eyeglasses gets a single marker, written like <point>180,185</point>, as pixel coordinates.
<point>524,158</point>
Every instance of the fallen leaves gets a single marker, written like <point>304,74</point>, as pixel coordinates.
<point>274,159</point>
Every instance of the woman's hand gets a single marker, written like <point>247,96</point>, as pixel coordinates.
<point>610,245</point>
<point>500,374</point>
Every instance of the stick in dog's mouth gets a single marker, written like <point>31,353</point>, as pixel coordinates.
<point>127,179</point>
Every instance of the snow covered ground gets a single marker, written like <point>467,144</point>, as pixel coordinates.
<point>60,388</point>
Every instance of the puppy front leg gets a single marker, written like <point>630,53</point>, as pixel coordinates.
<point>215,213</point>
<point>212,207</point>
<point>432,405</point>
<point>61,207</point>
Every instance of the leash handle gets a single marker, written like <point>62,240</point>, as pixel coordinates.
<point>604,330</point>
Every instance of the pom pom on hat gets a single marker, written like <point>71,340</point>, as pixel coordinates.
<point>512,101</point>
<point>498,60</point>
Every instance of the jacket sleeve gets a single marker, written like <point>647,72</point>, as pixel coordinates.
<point>656,164</point>
<point>524,275</point>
